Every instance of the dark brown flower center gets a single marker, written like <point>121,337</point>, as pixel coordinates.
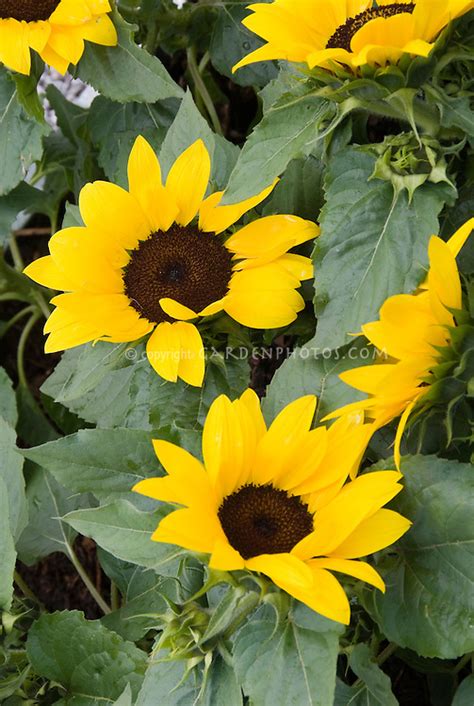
<point>183,264</point>
<point>342,37</point>
<point>28,10</point>
<point>259,519</point>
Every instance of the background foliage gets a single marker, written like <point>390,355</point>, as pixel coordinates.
<point>142,623</point>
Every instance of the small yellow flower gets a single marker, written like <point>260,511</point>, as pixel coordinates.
<point>142,264</point>
<point>350,32</point>
<point>411,330</point>
<point>275,501</point>
<point>56,29</point>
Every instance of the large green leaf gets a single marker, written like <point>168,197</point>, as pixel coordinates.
<point>189,126</point>
<point>114,386</point>
<point>11,472</point>
<point>311,371</point>
<point>300,190</point>
<point>144,602</point>
<point>373,244</point>
<point>23,199</point>
<point>288,664</point>
<point>8,408</point>
<point>176,688</point>
<point>429,602</point>
<point>47,501</point>
<point>93,664</point>
<point>465,694</point>
<point>20,136</point>
<point>104,384</point>
<point>125,532</point>
<point>373,687</point>
<point>231,40</point>
<point>7,550</point>
<point>105,462</point>
<point>288,130</point>
<point>126,72</point>
<point>115,126</point>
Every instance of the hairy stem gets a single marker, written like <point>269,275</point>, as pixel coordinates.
<point>201,89</point>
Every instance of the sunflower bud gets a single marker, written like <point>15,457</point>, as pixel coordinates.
<point>409,162</point>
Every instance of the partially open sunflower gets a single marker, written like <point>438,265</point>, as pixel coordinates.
<point>349,32</point>
<point>144,263</point>
<point>275,501</point>
<point>412,332</point>
<point>56,29</point>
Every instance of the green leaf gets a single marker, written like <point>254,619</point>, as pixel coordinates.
<point>126,73</point>
<point>189,126</point>
<point>8,409</point>
<point>105,462</point>
<point>299,191</point>
<point>464,696</point>
<point>231,41</point>
<point>125,532</point>
<point>7,550</point>
<point>11,472</point>
<point>429,602</point>
<point>177,688</point>
<point>103,384</point>
<point>112,386</point>
<point>373,244</point>
<point>92,663</point>
<point>125,699</point>
<point>288,130</point>
<point>146,597</point>
<point>292,663</point>
<point>374,687</point>
<point>23,199</point>
<point>47,501</point>
<point>115,126</point>
<point>311,371</point>
<point>20,136</point>
<point>235,603</point>
<point>455,111</point>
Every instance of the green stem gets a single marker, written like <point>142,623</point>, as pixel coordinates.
<point>24,588</point>
<point>151,38</point>
<point>386,653</point>
<point>27,310</point>
<point>16,254</point>
<point>201,89</point>
<point>88,583</point>
<point>114,596</point>
<point>10,297</point>
<point>20,357</point>
<point>42,304</point>
<point>463,662</point>
<point>20,266</point>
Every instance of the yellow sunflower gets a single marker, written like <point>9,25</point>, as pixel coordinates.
<point>349,32</point>
<point>142,263</point>
<point>410,333</point>
<point>56,29</point>
<point>274,501</point>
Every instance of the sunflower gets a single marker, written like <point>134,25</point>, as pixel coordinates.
<point>412,332</point>
<point>275,501</point>
<point>349,32</point>
<point>143,264</point>
<point>56,29</point>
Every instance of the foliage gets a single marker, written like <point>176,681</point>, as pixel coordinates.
<point>381,161</point>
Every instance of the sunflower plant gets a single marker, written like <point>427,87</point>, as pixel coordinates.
<point>237,352</point>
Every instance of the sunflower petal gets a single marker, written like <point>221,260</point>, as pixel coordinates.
<point>216,219</point>
<point>374,533</point>
<point>359,569</point>
<point>188,179</point>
